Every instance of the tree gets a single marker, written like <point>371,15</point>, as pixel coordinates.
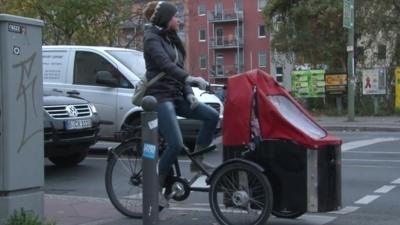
<point>310,29</point>
<point>377,23</point>
<point>95,22</point>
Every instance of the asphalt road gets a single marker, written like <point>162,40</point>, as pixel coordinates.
<point>370,183</point>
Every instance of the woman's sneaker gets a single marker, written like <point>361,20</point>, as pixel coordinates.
<point>162,200</point>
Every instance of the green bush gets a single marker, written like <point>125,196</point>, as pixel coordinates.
<point>24,218</point>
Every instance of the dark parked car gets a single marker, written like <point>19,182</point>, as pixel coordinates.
<point>71,126</point>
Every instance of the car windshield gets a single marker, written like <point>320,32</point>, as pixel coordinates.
<point>132,60</point>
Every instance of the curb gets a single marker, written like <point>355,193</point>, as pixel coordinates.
<point>361,128</point>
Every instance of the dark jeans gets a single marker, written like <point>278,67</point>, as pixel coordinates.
<point>169,128</point>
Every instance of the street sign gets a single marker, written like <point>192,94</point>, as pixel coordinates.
<point>374,81</point>
<point>348,11</point>
<point>335,84</point>
<point>397,105</point>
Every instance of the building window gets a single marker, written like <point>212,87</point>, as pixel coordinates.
<point>219,10</point>
<point>219,67</point>
<point>381,52</point>
<point>239,62</point>
<point>261,31</point>
<point>279,74</point>
<point>201,10</point>
<point>202,35</point>
<point>262,59</point>
<point>261,4</point>
<point>203,62</point>
<point>239,5</point>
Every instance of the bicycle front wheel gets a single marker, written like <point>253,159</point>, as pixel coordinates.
<point>124,178</point>
<point>240,195</point>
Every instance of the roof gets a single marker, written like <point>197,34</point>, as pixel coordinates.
<point>99,48</point>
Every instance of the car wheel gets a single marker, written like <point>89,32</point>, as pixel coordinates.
<point>70,160</point>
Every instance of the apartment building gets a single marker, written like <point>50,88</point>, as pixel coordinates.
<point>226,37</point>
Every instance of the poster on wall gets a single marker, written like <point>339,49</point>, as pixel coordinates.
<point>300,84</point>
<point>374,81</point>
<point>308,83</point>
<point>317,83</point>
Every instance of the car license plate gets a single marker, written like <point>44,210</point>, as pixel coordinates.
<point>77,124</point>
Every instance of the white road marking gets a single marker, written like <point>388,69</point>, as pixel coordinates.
<point>385,189</point>
<point>361,143</point>
<point>367,199</point>
<point>345,210</point>
<point>372,160</point>
<point>317,219</point>
<point>396,181</point>
<point>371,152</point>
<point>104,145</point>
<point>370,166</point>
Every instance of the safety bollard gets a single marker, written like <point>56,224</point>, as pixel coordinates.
<point>150,158</point>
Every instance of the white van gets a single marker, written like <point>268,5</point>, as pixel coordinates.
<point>75,70</point>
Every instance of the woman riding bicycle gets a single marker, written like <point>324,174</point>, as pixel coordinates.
<point>173,91</point>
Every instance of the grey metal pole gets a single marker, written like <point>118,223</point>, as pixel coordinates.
<point>150,158</point>
<point>350,66</point>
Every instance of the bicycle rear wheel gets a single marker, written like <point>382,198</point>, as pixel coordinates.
<point>124,178</point>
<point>240,195</point>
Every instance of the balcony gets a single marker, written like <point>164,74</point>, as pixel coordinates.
<point>223,71</point>
<point>225,16</point>
<point>226,42</point>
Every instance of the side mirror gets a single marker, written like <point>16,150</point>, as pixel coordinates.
<point>106,78</point>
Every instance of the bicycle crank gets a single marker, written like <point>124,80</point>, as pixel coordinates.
<point>180,189</point>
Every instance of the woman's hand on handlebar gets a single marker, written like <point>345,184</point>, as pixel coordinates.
<point>197,81</point>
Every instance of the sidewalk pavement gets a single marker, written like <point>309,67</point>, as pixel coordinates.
<point>389,123</point>
<point>73,210</point>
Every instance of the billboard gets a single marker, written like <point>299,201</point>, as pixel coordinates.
<point>374,81</point>
<point>336,84</point>
<point>308,83</point>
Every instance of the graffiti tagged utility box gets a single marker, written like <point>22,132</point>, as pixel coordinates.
<point>21,116</point>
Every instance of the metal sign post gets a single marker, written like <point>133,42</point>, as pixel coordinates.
<point>348,22</point>
<point>150,158</point>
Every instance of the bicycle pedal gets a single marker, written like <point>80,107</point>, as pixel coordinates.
<point>170,196</point>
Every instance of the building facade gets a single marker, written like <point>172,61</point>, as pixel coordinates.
<point>226,37</point>
<point>133,29</point>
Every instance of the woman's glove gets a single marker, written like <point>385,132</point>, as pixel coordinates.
<point>194,102</point>
<point>199,81</point>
